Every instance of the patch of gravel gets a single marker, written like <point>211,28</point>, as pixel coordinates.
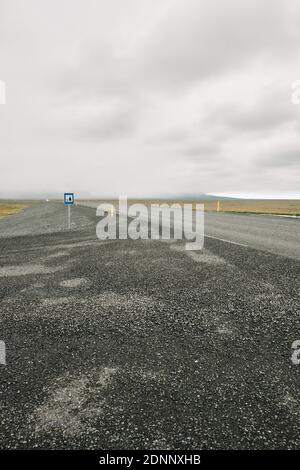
<point>74,403</point>
<point>291,404</point>
<point>27,269</point>
<point>57,301</point>
<point>75,282</point>
<point>44,218</point>
<point>81,244</point>
<point>203,256</point>
<point>112,299</point>
<point>58,254</point>
<point>224,330</point>
<point>38,285</point>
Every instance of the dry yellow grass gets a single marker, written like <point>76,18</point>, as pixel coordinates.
<point>258,206</point>
<point>255,206</point>
<point>10,208</point>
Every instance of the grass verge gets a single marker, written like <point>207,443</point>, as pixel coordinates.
<point>10,208</point>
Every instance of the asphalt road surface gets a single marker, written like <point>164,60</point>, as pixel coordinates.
<point>142,344</point>
<point>276,234</point>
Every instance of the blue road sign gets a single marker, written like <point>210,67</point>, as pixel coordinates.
<point>69,199</point>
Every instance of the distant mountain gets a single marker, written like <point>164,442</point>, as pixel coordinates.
<point>199,197</point>
<point>85,195</point>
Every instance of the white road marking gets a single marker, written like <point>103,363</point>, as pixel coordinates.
<point>226,241</point>
<point>285,215</point>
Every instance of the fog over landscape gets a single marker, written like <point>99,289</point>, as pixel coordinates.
<point>149,98</point>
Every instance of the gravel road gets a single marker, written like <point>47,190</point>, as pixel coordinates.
<point>142,344</point>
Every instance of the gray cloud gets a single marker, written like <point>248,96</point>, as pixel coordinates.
<point>269,112</point>
<point>200,151</point>
<point>207,39</point>
<point>191,43</point>
<point>169,90</point>
<point>116,125</point>
<point>284,157</point>
<point>169,136</point>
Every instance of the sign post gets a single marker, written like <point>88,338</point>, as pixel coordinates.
<point>69,217</point>
<point>69,201</point>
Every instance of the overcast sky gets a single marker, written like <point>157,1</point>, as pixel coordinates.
<point>149,97</point>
